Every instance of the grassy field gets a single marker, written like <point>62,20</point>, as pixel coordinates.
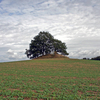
<point>50,79</point>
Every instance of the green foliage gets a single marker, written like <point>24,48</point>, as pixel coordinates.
<point>44,43</point>
<point>50,79</point>
<point>60,47</point>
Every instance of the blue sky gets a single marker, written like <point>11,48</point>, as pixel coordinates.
<point>75,22</point>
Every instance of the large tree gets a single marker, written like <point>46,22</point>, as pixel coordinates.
<point>44,43</point>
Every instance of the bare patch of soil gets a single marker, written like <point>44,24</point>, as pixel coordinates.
<point>80,93</point>
<point>55,55</point>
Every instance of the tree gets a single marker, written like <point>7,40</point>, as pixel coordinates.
<point>96,58</point>
<point>60,47</point>
<point>43,44</point>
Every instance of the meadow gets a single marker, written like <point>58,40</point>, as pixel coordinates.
<point>50,79</point>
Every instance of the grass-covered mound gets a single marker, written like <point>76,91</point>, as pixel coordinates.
<point>55,55</point>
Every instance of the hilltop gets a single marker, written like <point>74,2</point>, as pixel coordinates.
<point>55,55</point>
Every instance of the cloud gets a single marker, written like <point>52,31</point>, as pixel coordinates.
<point>85,54</point>
<point>75,22</point>
<point>10,51</point>
<point>84,47</point>
<point>14,55</point>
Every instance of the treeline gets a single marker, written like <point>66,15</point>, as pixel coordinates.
<point>95,58</point>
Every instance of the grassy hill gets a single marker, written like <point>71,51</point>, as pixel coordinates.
<point>55,55</point>
<point>50,79</point>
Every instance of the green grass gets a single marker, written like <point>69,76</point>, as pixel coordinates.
<point>50,79</point>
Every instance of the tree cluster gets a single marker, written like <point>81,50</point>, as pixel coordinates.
<point>86,58</point>
<point>43,44</point>
<point>96,58</point>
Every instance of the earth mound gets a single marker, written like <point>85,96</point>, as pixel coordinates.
<point>55,55</point>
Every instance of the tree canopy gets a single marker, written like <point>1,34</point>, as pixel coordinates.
<point>43,44</point>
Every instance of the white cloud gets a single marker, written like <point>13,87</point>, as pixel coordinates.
<point>14,55</point>
<point>85,54</point>
<point>75,22</point>
<point>10,51</point>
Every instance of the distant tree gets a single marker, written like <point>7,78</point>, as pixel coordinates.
<point>84,58</point>
<point>96,58</point>
<point>44,43</point>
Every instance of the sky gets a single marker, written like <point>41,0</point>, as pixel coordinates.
<point>75,22</point>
